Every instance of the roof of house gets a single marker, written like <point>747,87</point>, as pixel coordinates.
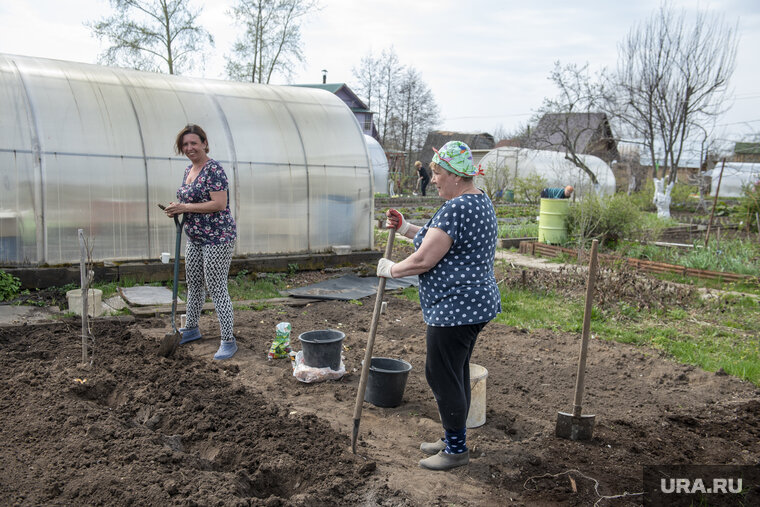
<point>581,127</point>
<point>437,138</point>
<point>354,102</point>
<point>747,148</point>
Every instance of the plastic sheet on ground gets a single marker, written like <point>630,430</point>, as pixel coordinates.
<point>309,374</point>
<point>350,287</point>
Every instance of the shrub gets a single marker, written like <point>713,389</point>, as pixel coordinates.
<point>528,189</point>
<point>679,196</point>
<point>604,218</point>
<point>749,208</point>
<point>9,286</point>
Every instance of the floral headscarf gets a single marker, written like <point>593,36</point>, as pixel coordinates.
<point>456,157</point>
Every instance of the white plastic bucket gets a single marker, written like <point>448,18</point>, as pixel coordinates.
<point>477,414</point>
<point>94,302</point>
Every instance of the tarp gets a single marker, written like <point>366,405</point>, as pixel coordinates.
<point>350,287</point>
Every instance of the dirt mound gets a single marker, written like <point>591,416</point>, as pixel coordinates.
<point>139,429</point>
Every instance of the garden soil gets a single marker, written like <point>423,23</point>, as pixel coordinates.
<point>138,429</point>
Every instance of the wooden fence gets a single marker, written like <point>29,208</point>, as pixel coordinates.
<point>535,248</point>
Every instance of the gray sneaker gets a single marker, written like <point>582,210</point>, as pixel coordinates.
<point>445,461</point>
<point>433,447</point>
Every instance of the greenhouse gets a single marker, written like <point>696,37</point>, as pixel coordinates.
<point>379,164</point>
<point>736,175</point>
<point>91,147</point>
<point>502,165</point>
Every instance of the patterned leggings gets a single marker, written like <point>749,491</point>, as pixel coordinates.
<point>212,264</point>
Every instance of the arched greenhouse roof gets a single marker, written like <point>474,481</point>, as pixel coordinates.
<point>91,147</point>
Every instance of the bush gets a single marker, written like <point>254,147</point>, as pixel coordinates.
<point>607,219</point>
<point>9,286</point>
<point>679,196</point>
<point>749,208</point>
<point>529,189</point>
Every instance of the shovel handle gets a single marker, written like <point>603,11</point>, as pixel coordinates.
<point>370,344</point>
<point>581,377</point>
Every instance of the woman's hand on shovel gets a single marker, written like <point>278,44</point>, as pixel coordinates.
<point>384,268</point>
<point>173,208</point>
<point>396,221</point>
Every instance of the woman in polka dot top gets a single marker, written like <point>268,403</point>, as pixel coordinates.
<point>458,293</point>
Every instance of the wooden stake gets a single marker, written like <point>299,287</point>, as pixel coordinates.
<point>715,202</point>
<point>85,290</point>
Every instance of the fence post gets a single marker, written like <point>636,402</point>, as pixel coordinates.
<point>715,202</point>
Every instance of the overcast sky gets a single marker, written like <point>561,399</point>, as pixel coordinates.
<point>486,61</point>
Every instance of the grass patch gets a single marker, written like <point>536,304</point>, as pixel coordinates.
<point>520,230</point>
<point>268,286</point>
<point>713,335</point>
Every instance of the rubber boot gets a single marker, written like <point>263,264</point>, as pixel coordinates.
<point>445,461</point>
<point>433,447</point>
<point>189,334</point>
<point>226,350</point>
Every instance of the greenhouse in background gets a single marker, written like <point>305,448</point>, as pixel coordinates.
<point>502,165</point>
<point>736,175</point>
<point>379,164</point>
<point>91,147</point>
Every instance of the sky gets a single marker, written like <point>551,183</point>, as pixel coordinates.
<point>486,62</point>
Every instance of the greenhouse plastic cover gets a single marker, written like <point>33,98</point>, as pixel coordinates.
<point>91,147</point>
<point>735,176</point>
<point>379,164</point>
<point>503,165</point>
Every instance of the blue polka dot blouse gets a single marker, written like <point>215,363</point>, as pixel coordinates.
<point>461,289</point>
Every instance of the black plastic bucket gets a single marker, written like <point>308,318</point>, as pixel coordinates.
<point>322,348</point>
<point>386,381</point>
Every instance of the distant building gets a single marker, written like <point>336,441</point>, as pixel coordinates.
<point>363,115</point>
<point>746,152</point>
<point>587,133</point>
<point>478,142</point>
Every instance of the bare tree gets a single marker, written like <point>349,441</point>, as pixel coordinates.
<point>154,35</point>
<point>271,41</point>
<point>390,70</point>
<point>517,136</point>
<point>416,112</point>
<point>367,77</point>
<point>673,74</point>
<point>571,121</point>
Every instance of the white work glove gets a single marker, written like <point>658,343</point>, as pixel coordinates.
<point>396,221</point>
<point>384,267</point>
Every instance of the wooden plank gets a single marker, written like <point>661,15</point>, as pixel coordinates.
<point>640,264</point>
<point>157,310</point>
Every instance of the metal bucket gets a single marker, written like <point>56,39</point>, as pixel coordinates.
<point>552,227</point>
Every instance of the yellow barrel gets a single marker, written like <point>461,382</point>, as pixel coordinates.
<point>552,228</point>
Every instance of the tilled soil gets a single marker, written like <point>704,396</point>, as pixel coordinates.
<point>137,429</point>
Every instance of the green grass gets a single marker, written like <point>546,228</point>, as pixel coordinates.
<point>520,230</point>
<point>242,287</point>
<point>711,335</point>
<point>733,256</point>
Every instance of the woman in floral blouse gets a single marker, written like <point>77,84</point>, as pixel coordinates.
<point>204,198</point>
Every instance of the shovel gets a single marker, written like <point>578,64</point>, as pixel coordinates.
<point>170,342</point>
<point>370,345</point>
<point>576,426</point>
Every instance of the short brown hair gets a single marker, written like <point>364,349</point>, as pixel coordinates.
<point>190,128</point>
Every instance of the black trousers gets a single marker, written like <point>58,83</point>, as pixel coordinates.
<point>447,370</point>
<point>423,186</point>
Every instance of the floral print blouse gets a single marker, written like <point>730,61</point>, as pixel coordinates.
<point>207,228</point>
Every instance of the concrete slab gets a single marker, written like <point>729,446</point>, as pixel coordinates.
<point>11,315</point>
<point>146,295</point>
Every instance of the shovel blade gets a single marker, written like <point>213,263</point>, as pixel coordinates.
<point>574,428</point>
<point>169,344</point>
